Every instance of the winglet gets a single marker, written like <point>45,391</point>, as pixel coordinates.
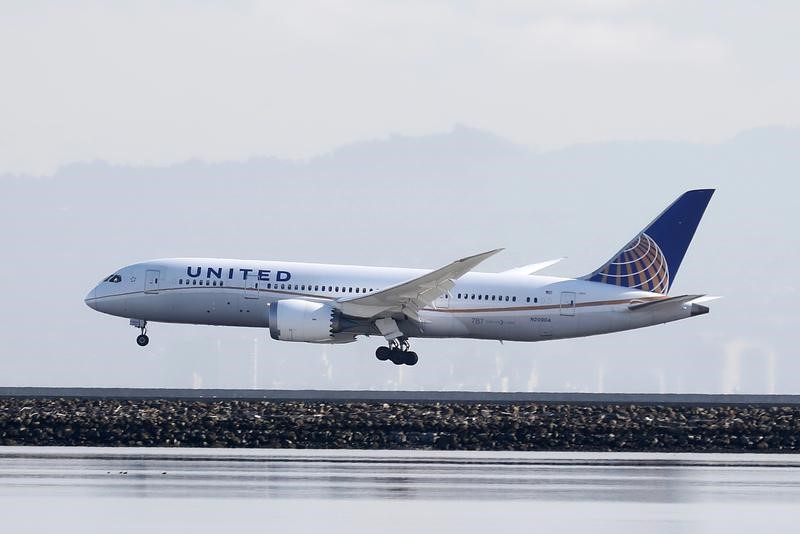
<point>475,259</point>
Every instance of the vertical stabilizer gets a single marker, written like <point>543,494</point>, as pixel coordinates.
<point>650,261</point>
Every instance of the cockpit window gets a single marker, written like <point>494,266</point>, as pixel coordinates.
<point>114,278</point>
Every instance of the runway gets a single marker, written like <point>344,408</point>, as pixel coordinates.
<point>345,396</point>
<point>201,490</point>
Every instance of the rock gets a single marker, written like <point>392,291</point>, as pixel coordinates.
<point>449,426</point>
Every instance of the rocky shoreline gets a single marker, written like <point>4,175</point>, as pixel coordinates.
<point>433,426</point>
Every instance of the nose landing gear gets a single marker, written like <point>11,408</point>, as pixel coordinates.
<point>398,352</point>
<point>142,340</point>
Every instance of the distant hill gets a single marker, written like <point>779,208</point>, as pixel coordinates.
<point>416,201</point>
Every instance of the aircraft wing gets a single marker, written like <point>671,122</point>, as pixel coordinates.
<point>409,297</point>
<point>533,267</point>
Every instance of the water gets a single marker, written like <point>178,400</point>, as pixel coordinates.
<point>201,490</point>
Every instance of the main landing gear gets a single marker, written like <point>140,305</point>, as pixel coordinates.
<point>398,352</point>
<point>142,340</point>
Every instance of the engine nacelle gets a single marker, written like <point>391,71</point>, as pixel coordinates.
<point>302,320</point>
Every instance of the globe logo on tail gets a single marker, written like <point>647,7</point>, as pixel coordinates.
<point>640,265</point>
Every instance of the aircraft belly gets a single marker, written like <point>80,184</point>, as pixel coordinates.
<point>199,307</point>
<point>440,324</point>
<point>505,326</point>
<point>600,321</point>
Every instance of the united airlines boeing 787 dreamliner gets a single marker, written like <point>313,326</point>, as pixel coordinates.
<point>319,303</point>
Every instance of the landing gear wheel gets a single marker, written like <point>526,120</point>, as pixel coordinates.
<point>142,340</point>
<point>398,352</point>
<point>397,357</point>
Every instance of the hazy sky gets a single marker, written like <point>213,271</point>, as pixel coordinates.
<point>584,120</point>
<point>158,82</point>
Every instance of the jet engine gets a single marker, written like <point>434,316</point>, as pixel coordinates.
<point>303,320</point>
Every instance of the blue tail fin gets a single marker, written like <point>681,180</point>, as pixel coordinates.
<point>651,260</point>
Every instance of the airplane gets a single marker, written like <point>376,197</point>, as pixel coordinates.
<point>321,303</point>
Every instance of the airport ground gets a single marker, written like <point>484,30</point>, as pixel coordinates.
<point>399,420</point>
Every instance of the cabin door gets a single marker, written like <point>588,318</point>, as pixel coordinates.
<point>251,287</point>
<point>151,281</point>
<point>567,303</point>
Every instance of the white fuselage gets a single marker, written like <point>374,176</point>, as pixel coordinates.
<point>514,307</point>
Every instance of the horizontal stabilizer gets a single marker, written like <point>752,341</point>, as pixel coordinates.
<point>533,267</point>
<point>660,303</point>
<point>706,298</point>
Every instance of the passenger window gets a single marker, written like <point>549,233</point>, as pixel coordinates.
<point>472,297</point>
<point>479,297</point>
<point>513,299</point>
<point>350,290</point>
<point>493,296</point>
<point>528,299</point>
<point>506,298</point>
<point>220,283</point>
<point>363,289</point>
<point>535,299</point>
<point>214,283</point>
<point>194,282</point>
<point>283,286</point>
<point>180,282</point>
<point>316,288</point>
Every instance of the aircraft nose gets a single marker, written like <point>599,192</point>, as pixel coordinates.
<point>90,299</point>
